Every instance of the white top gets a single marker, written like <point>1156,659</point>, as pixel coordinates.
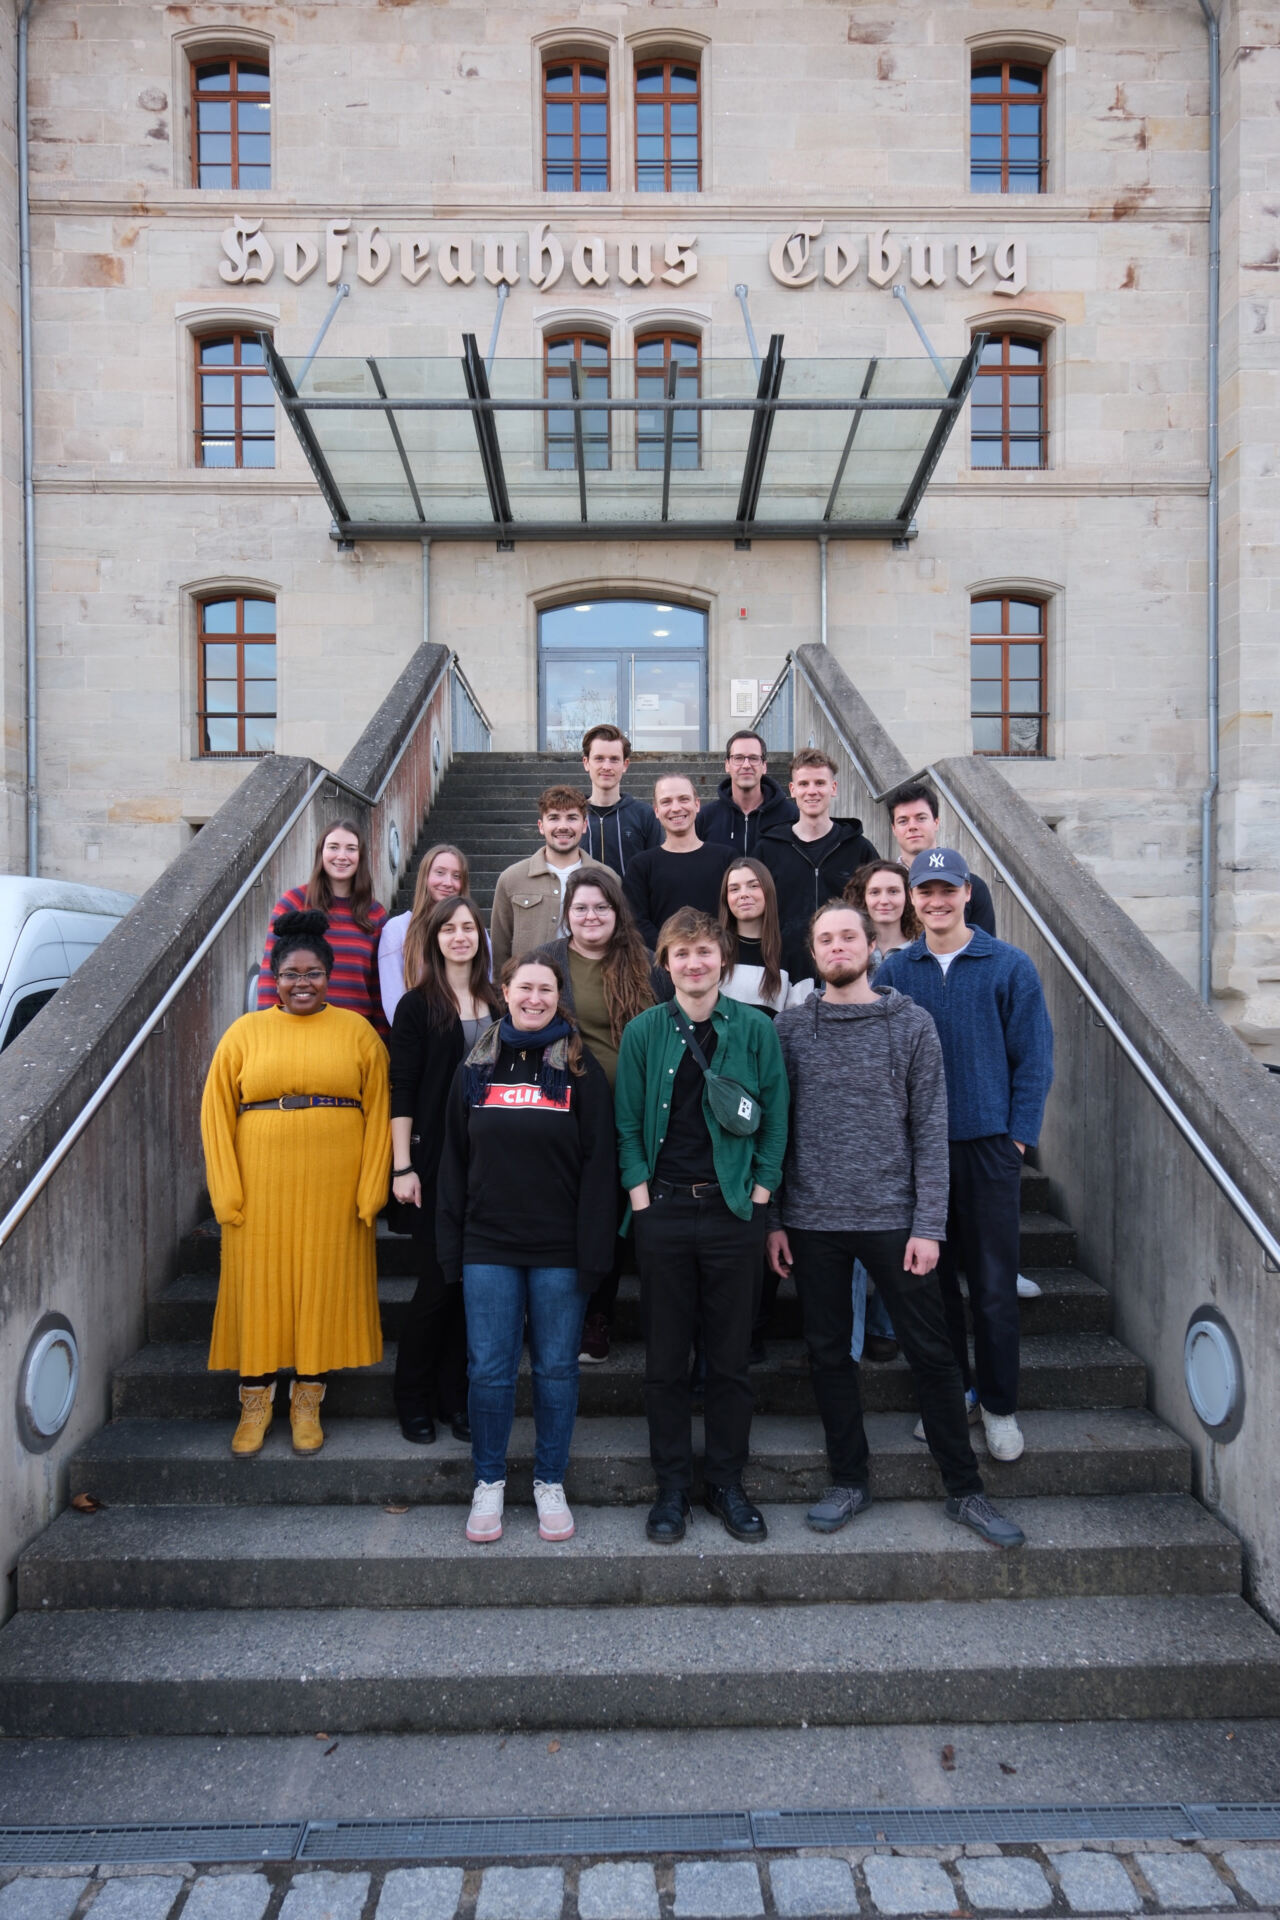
<point>746,985</point>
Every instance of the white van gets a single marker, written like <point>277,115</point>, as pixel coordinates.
<point>47,927</point>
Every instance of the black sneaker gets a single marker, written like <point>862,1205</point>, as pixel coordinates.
<point>837,1508</point>
<point>594,1345</point>
<point>667,1517</point>
<point>976,1511</point>
<point>732,1508</point>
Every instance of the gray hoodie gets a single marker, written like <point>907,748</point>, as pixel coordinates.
<point>867,1147</point>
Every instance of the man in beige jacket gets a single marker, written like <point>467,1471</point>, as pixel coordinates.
<point>528,897</point>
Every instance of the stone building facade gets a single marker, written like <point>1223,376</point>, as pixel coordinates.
<point>838,148</point>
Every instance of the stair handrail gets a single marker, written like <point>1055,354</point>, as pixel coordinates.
<point>116,1072</point>
<point>1248,1213</point>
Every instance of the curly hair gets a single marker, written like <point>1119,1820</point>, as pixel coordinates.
<point>855,893</point>
<point>624,967</point>
<point>300,933</point>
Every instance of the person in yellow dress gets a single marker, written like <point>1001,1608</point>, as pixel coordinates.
<point>297,1142</point>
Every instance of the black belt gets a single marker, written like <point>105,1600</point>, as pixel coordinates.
<point>698,1191</point>
<point>288,1102</point>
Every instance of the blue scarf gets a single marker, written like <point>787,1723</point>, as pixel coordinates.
<point>551,1041</point>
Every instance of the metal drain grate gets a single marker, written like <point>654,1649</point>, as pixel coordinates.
<point>119,1846</point>
<point>498,1838</point>
<point>950,1826</point>
<point>1258,1822</point>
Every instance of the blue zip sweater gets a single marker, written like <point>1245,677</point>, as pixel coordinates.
<point>997,1041</point>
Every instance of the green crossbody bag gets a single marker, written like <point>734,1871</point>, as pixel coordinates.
<point>734,1108</point>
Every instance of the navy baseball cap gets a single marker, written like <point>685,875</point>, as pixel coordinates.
<point>940,863</point>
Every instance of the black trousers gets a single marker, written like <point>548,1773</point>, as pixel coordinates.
<point>605,1298</point>
<point>983,1224</point>
<point>700,1265</point>
<point>824,1271</point>
<point>431,1358</point>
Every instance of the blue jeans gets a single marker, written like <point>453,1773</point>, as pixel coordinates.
<point>496,1300</point>
<point>870,1314</point>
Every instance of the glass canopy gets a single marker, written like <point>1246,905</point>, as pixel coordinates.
<point>453,449</point>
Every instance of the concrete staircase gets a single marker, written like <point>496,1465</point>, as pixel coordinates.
<point>282,1595</point>
<point>488,804</point>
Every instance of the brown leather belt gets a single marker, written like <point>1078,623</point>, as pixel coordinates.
<point>289,1102</point>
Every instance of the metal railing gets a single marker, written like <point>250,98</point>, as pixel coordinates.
<point>463,700</point>
<point>779,711</point>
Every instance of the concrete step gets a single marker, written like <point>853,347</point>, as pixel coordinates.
<point>1113,1657</point>
<point>1069,1303</point>
<point>907,1551</point>
<point>171,1380</point>
<point>186,1462</point>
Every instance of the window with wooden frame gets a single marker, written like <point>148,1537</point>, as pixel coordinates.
<point>575,126</point>
<point>237,651</point>
<point>1007,150</point>
<point>668,127</point>
<point>585,355</point>
<point>235,403</point>
<point>1007,674</point>
<point>657,354</point>
<point>1008,421</point>
<point>231,122</point>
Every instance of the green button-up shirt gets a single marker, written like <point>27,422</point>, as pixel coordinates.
<point>747,1051</point>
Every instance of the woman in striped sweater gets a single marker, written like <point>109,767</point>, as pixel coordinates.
<point>341,886</point>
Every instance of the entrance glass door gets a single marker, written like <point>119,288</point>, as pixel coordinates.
<point>640,664</point>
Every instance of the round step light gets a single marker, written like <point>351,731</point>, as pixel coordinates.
<point>47,1383</point>
<point>393,847</point>
<point>1214,1374</point>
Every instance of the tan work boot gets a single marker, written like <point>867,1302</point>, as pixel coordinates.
<point>256,1415</point>
<point>304,1415</point>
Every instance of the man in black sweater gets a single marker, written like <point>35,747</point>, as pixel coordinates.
<point>749,802</point>
<point>913,815</point>
<point>682,872</point>
<point>814,860</point>
<point>618,825</point>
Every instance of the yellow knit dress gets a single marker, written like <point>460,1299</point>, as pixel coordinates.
<point>297,1193</point>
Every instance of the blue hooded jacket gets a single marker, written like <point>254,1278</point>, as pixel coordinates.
<point>997,1040</point>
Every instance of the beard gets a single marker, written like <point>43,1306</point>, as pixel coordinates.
<point>844,976</point>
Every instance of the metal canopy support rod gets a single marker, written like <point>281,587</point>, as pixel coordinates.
<point>426,588</point>
<point>30,676</point>
<point>937,439</point>
<point>761,432</point>
<point>741,292</point>
<point>822,588</point>
<point>849,440</point>
<point>395,435</point>
<point>579,454</point>
<point>668,433</point>
<point>486,434</point>
<point>318,342</point>
<point>900,293</point>
<point>503,291</point>
<point>1208,837</point>
<point>306,433</point>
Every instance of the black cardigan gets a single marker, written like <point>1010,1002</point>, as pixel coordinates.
<point>424,1060</point>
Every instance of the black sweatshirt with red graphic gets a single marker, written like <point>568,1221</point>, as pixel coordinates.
<point>526,1181</point>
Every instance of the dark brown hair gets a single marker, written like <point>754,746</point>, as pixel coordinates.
<point>320,892</point>
<point>509,972</point>
<point>855,893</point>
<point>689,923</point>
<point>624,967</point>
<point>562,800</point>
<point>770,930</point>
<point>432,976</point>
<point>606,731</point>
<point>415,933</point>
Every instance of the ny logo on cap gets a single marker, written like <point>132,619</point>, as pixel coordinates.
<point>936,860</point>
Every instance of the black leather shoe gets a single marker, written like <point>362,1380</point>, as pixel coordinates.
<point>667,1517</point>
<point>878,1347</point>
<point>731,1506</point>
<point>418,1427</point>
<point>460,1427</point>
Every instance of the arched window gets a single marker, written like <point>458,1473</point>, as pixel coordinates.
<point>1008,422</point>
<point>237,653</point>
<point>668,127</point>
<point>588,354</point>
<point>235,403</point>
<point>656,355</point>
<point>231,123</point>
<point>1007,674</point>
<point>1007,151</point>
<point>575,126</point>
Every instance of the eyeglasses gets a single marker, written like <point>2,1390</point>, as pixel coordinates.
<point>313,978</point>
<point>746,760</point>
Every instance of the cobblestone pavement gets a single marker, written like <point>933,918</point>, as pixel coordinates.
<point>1063,1878</point>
